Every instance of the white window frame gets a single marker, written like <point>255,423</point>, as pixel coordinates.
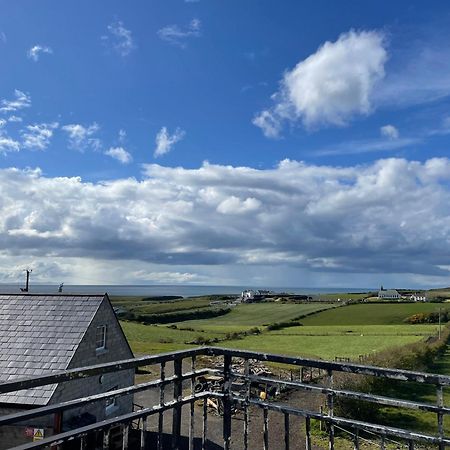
<point>102,340</point>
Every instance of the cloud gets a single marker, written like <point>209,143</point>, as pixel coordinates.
<point>390,132</point>
<point>329,87</point>
<point>122,136</point>
<point>7,144</point>
<point>14,119</point>
<point>165,141</point>
<point>21,101</point>
<point>120,154</point>
<point>120,39</point>
<point>390,216</point>
<point>174,34</point>
<point>3,37</point>
<point>166,277</point>
<point>81,137</point>
<point>234,205</point>
<point>37,136</point>
<point>368,146</point>
<point>35,51</point>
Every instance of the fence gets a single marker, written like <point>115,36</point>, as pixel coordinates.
<point>178,372</point>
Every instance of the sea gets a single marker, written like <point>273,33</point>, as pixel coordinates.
<point>162,290</point>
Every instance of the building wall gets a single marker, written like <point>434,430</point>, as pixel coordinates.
<point>86,355</point>
<point>13,435</point>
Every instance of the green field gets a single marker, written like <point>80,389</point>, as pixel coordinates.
<point>347,331</point>
<point>327,343</point>
<point>150,339</point>
<point>246,316</point>
<point>370,314</point>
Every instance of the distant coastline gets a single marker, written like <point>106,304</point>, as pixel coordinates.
<point>157,290</point>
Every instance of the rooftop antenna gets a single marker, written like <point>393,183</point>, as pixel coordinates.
<point>60,288</point>
<point>28,271</point>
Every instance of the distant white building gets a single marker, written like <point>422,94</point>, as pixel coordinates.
<point>249,296</point>
<point>388,294</point>
<point>418,297</point>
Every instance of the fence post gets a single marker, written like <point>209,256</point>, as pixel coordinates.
<point>226,402</point>
<point>330,410</point>
<point>177,395</point>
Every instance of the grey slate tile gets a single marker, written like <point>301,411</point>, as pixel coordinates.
<point>38,335</point>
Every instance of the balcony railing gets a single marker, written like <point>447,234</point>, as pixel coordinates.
<point>236,400</point>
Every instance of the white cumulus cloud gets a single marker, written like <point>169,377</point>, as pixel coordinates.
<point>120,154</point>
<point>360,219</point>
<point>8,144</point>
<point>82,137</point>
<point>35,52</point>
<point>165,141</point>
<point>390,132</point>
<point>38,136</point>
<point>330,86</point>
<point>21,101</point>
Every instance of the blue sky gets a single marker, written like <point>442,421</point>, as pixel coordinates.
<point>213,142</point>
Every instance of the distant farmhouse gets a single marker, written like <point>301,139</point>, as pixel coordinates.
<point>41,334</point>
<point>388,294</point>
<point>251,296</point>
<point>418,297</point>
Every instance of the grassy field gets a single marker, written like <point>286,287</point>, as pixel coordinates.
<point>323,344</point>
<point>347,331</point>
<point>370,314</point>
<point>150,339</point>
<point>246,316</point>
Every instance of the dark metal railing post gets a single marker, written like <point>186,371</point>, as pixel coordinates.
<point>286,431</point>
<point>356,440</point>
<point>308,432</point>
<point>177,396</point>
<point>330,398</point>
<point>266,428</point>
<point>125,428</point>
<point>440,416</point>
<point>192,409</point>
<point>162,378</point>
<point>246,401</point>
<point>227,402</point>
<point>143,432</point>
<point>205,423</point>
<point>106,439</point>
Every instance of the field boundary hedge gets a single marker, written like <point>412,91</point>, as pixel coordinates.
<point>179,316</point>
<point>417,356</point>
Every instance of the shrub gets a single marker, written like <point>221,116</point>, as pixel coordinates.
<point>416,356</point>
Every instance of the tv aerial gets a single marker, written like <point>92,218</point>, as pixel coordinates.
<point>25,289</point>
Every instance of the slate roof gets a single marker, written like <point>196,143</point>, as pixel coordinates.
<point>39,334</point>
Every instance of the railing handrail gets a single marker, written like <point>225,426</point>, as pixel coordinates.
<point>361,369</point>
<point>98,369</point>
<point>228,396</point>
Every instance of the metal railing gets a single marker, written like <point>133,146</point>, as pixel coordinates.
<point>178,373</point>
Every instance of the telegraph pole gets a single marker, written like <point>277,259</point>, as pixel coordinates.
<point>440,325</point>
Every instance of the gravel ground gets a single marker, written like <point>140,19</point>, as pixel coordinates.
<point>276,421</point>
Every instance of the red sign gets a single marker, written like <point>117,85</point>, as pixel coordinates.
<point>29,432</point>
